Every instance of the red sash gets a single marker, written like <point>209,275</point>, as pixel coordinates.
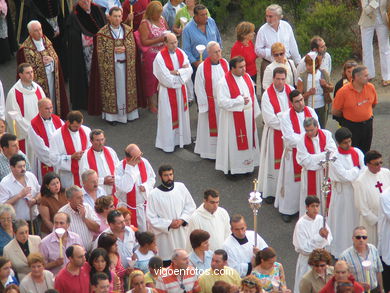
<point>278,141</point>
<point>208,78</point>
<point>238,116</point>
<point>131,196</point>
<point>172,92</point>
<point>311,175</point>
<point>70,150</point>
<point>354,155</point>
<point>20,101</point>
<point>40,130</point>
<point>297,129</point>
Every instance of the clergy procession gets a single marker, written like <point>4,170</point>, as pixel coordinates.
<point>79,215</point>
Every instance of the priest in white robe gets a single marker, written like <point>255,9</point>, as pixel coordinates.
<point>102,159</point>
<point>240,246</point>
<point>21,107</point>
<point>309,234</point>
<point>289,180</point>
<point>274,102</point>
<point>342,215</point>
<point>238,143</point>
<point>207,77</point>
<point>169,210</point>
<point>41,129</point>
<point>384,236</point>
<point>311,150</point>
<point>210,217</point>
<point>368,189</point>
<point>172,69</point>
<point>68,144</point>
<point>134,180</point>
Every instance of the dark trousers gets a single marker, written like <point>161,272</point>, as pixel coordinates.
<point>386,276</point>
<point>361,133</point>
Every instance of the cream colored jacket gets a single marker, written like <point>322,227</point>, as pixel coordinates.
<point>368,16</point>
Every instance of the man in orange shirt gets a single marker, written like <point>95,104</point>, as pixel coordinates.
<point>354,102</point>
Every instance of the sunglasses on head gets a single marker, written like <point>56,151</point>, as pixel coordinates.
<point>249,283</point>
<point>361,237</point>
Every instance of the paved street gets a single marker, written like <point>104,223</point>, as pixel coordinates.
<point>199,174</point>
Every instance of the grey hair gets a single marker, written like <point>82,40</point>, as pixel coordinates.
<point>210,45</point>
<point>176,253</point>
<point>31,23</point>
<point>63,213</point>
<point>359,228</point>
<point>19,224</point>
<point>7,208</point>
<point>275,8</point>
<point>357,70</point>
<point>71,190</point>
<point>342,262</point>
<point>85,175</point>
<point>309,122</point>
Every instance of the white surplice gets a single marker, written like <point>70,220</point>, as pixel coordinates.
<point>162,208</point>
<point>206,145</point>
<point>30,102</point>
<point>311,162</point>
<point>384,226</point>
<point>306,238</point>
<point>167,138</point>
<point>128,178</point>
<point>287,189</point>
<point>268,175</point>
<point>367,199</point>
<point>229,158</point>
<point>217,224</point>
<point>57,148</point>
<point>103,169</point>
<point>41,153</point>
<point>239,256</point>
<point>343,216</point>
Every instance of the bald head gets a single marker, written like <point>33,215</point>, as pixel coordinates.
<point>45,108</point>
<point>341,270</point>
<point>170,41</point>
<point>133,154</point>
<point>35,30</point>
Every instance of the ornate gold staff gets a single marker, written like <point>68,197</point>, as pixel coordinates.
<point>325,185</point>
<point>255,201</point>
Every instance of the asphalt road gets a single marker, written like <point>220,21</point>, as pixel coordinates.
<point>199,174</point>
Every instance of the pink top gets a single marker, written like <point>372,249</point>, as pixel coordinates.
<point>156,31</point>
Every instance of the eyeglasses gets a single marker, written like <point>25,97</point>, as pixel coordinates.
<point>249,283</point>
<point>320,265</point>
<point>278,54</point>
<point>8,219</point>
<point>377,163</point>
<point>358,237</point>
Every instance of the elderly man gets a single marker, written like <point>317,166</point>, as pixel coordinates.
<point>42,127</point>
<point>274,102</point>
<point>360,251</point>
<point>38,51</point>
<point>83,219</point>
<point>113,84</point>
<point>172,69</point>
<point>355,103</point>
<point>21,106</point>
<point>275,30</point>
<point>219,271</point>
<point>68,144</point>
<point>49,246</point>
<point>135,180</point>
<point>183,281</point>
<point>91,189</point>
<point>210,217</point>
<point>311,150</point>
<point>240,246</point>
<point>238,143</point>
<point>206,86</point>
<point>74,277</point>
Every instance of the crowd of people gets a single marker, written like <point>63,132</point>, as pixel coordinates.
<point>76,218</point>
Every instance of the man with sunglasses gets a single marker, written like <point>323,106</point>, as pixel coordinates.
<point>368,189</point>
<point>363,251</point>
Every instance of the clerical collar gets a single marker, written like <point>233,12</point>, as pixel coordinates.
<point>165,188</point>
<point>28,87</point>
<point>48,119</point>
<point>215,63</point>
<point>241,241</point>
<point>172,52</point>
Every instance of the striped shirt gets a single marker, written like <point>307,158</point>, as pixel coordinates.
<point>354,260</point>
<point>172,282</point>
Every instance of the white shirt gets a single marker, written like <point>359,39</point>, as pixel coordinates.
<point>326,64</point>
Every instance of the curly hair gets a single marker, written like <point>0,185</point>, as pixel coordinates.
<point>319,255</point>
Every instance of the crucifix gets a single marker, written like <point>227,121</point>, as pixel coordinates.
<point>123,109</point>
<point>241,136</point>
<point>379,186</point>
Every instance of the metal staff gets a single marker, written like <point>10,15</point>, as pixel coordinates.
<point>325,185</point>
<point>313,56</point>
<point>255,204</point>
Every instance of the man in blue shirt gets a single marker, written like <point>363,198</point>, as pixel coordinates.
<point>169,12</point>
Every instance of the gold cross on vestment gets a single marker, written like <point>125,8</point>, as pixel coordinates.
<point>241,136</point>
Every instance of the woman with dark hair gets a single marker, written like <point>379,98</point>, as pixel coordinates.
<point>53,198</point>
<point>346,75</point>
<point>6,274</point>
<point>146,250</point>
<point>201,257</point>
<point>269,272</point>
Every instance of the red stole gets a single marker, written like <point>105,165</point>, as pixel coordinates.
<point>40,130</point>
<point>70,150</point>
<point>208,78</point>
<point>278,141</point>
<point>20,101</point>
<point>311,175</point>
<point>238,116</point>
<point>354,155</point>
<point>172,92</point>
<point>131,196</point>
<point>297,129</point>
